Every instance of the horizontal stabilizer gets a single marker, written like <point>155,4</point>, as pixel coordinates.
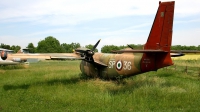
<point>176,54</point>
<point>185,51</point>
<point>140,51</point>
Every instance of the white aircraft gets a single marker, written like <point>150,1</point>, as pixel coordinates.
<point>5,60</point>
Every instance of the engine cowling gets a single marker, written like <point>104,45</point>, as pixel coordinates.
<point>4,55</point>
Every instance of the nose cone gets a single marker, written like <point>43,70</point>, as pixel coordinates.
<point>3,55</point>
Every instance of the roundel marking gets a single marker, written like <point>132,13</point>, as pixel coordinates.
<point>119,65</point>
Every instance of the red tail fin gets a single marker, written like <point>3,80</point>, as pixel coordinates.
<point>160,38</point>
<point>161,32</point>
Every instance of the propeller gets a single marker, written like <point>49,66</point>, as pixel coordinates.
<point>87,53</point>
<point>4,55</point>
<point>130,46</point>
<point>96,45</point>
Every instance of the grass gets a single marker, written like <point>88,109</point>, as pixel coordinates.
<point>58,86</point>
<point>188,56</point>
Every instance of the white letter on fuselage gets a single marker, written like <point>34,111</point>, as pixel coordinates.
<point>111,64</point>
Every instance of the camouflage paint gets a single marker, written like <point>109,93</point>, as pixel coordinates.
<point>129,64</point>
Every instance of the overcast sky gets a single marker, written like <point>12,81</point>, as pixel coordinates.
<point>115,22</point>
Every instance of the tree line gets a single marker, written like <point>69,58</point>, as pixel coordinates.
<point>51,45</point>
<point>15,48</point>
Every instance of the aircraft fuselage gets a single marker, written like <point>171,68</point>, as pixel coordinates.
<point>118,65</point>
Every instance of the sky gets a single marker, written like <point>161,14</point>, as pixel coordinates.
<point>115,22</point>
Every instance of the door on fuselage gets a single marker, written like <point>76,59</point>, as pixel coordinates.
<point>148,62</point>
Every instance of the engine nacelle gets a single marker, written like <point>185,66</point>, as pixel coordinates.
<point>88,69</point>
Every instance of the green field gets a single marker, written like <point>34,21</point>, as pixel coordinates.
<point>188,56</point>
<point>59,86</point>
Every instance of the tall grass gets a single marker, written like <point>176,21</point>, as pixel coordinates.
<point>58,86</point>
<point>188,56</point>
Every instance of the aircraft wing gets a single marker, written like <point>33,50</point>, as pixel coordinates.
<point>100,63</point>
<point>138,51</point>
<point>46,56</point>
<point>185,51</point>
<point>6,62</point>
<point>28,56</point>
<point>173,53</point>
<point>178,53</point>
<point>63,56</point>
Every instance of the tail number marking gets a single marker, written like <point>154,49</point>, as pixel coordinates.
<point>126,65</point>
<point>111,63</point>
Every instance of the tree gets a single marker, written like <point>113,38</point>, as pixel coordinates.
<point>4,46</point>
<point>90,46</point>
<point>198,47</point>
<point>15,48</point>
<point>49,45</point>
<point>31,48</point>
<point>179,47</point>
<point>109,48</point>
<point>70,47</point>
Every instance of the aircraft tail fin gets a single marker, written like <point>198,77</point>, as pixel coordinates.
<point>160,38</point>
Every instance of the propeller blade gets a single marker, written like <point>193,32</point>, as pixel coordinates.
<point>96,45</point>
<point>129,46</point>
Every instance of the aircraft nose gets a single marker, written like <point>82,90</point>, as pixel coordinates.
<point>3,55</point>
